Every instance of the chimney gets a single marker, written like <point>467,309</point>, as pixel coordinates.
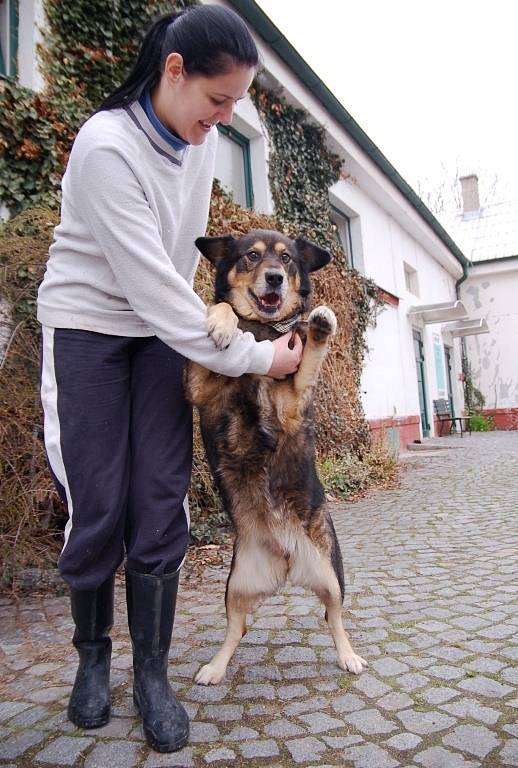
<point>470,198</point>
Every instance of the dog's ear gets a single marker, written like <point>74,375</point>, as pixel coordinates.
<point>314,256</point>
<point>214,248</point>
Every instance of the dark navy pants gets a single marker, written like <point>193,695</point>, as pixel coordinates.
<point>118,435</point>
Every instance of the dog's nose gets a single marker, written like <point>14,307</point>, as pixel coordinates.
<point>274,278</point>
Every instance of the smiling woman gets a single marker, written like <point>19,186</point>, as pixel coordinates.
<point>119,317</point>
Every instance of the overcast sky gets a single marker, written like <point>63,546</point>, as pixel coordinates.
<point>434,85</point>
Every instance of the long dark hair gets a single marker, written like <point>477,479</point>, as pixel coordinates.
<point>209,38</point>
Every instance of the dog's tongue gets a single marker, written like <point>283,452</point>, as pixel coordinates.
<point>270,299</point>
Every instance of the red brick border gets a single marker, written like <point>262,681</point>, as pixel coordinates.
<point>505,418</point>
<point>406,426</point>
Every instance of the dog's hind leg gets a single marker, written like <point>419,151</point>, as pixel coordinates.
<point>315,570</point>
<point>256,574</point>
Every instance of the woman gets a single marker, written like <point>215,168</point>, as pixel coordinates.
<point>119,316</point>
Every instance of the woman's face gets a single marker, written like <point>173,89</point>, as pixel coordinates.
<point>189,105</point>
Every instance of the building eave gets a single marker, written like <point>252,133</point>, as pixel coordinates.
<point>271,34</point>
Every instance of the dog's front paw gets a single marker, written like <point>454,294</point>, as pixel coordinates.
<point>353,663</point>
<point>221,324</point>
<point>209,675</point>
<point>321,323</point>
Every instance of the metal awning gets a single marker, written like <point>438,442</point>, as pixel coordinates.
<point>439,313</point>
<point>470,327</point>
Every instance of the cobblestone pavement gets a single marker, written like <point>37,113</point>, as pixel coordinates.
<point>432,599</point>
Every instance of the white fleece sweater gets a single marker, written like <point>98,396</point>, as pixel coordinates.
<point>123,257</point>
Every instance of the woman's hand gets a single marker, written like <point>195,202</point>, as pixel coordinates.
<point>286,360</point>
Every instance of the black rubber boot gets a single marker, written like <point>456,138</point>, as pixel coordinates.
<point>92,611</point>
<point>151,606</point>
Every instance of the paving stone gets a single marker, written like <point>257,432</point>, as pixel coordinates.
<point>252,655</point>
<point>63,751</point>
<point>510,675</point>
<point>471,708</point>
<point>10,708</point>
<point>241,733</point>
<point>394,701</point>
<point>293,691</point>
<point>424,722</point>
<point>475,739</point>
<point>438,695</point>
<point>349,702</point>
<point>267,748</point>
<point>370,721</point>
<point>282,728</point>
<point>203,732</point>
<point>223,712</point>
<point>181,759</point>
<point>300,672</point>
<point>219,754</point>
<point>445,672</point>
<point>339,742</point>
<point>29,717</point>
<point>18,743</point>
<point>485,686</point>
<point>412,681</point>
<point>303,750</point>
<point>204,693</point>
<point>512,729</point>
<point>312,704</point>
<point>509,753</point>
<point>255,691</point>
<point>118,727</point>
<point>271,622</point>
<point>261,672</point>
<point>371,686</point>
<point>387,666</point>
<point>123,754</point>
<point>369,756</point>
<point>438,757</point>
<point>485,665</point>
<point>403,741</point>
<point>294,653</point>
<point>319,722</point>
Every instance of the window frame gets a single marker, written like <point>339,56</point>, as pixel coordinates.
<point>349,244</point>
<point>9,64</point>
<point>244,144</point>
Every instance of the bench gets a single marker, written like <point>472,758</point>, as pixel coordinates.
<point>442,408</point>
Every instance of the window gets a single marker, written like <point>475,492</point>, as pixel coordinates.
<point>342,226</point>
<point>8,37</point>
<point>233,168</point>
<point>411,282</point>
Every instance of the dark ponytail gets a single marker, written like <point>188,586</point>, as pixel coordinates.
<point>210,39</point>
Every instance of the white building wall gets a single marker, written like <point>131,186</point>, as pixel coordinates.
<point>386,232</point>
<point>389,381</point>
<point>491,291</point>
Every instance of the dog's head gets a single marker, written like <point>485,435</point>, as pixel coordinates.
<point>263,275</point>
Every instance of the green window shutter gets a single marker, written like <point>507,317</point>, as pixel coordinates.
<point>244,145</point>
<point>9,54</point>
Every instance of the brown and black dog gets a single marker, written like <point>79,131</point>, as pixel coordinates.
<point>259,436</point>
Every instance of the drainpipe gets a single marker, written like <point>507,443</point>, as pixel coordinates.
<point>463,352</point>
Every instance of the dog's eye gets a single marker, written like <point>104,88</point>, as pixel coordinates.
<point>285,258</point>
<point>253,256</point>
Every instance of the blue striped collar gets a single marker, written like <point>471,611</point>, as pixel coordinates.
<point>175,141</point>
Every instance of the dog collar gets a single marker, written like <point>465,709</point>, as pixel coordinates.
<point>283,326</point>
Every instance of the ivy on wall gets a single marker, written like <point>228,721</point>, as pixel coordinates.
<point>89,47</point>
<point>90,44</point>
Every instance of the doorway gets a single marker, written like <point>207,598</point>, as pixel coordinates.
<point>421,381</point>
<point>448,354</point>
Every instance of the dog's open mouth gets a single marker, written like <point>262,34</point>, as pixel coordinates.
<point>269,303</point>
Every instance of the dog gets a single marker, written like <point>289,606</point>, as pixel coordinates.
<point>258,434</point>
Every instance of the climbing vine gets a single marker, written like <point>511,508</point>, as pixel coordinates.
<point>89,47</point>
<point>90,44</point>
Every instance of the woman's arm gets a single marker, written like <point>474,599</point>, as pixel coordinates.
<point>110,199</point>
